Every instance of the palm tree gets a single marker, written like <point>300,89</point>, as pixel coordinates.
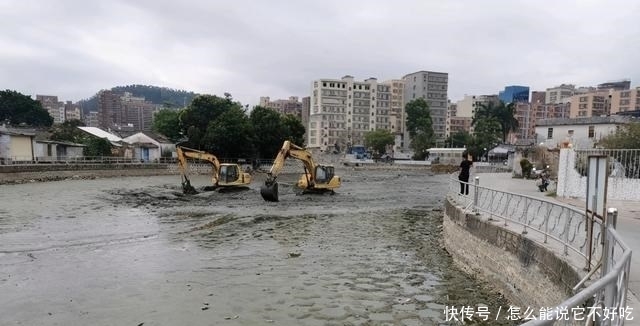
<point>506,115</point>
<point>500,113</point>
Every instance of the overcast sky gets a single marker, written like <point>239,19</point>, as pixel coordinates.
<point>277,47</point>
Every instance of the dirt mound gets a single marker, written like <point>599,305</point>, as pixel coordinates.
<point>444,168</point>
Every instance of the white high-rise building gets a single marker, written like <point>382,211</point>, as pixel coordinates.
<point>53,106</point>
<point>343,110</point>
<point>431,86</point>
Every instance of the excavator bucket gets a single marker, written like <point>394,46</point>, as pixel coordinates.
<point>269,191</point>
<point>187,188</point>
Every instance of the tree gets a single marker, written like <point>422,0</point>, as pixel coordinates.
<point>506,115</point>
<point>627,137</point>
<point>458,140</point>
<point>268,129</point>
<point>230,135</point>
<point>503,115</point>
<point>294,130</point>
<point>196,118</point>
<point>97,147</point>
<point>420,127</point>
<point>17,108</point>
<point>167,123</point>
<point>378,140</point>
<point>68,131</point>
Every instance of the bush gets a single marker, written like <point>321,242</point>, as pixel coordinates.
<point>526,168</point>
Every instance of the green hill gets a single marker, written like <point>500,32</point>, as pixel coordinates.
<point>154,94</point>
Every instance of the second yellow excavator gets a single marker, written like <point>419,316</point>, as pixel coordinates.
<point>316,177</point>
<point>225,175</point>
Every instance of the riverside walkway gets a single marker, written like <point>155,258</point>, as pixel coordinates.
<point>628,220</point>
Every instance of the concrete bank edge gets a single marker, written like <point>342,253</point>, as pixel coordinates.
<point>526,273</point>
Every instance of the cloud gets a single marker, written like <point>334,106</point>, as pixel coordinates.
<point>276,48</point>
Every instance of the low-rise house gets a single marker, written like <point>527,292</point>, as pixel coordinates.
<point>57,151</point>
<point>16,145</point>
<point>150,147</point>
<point>580,132</point>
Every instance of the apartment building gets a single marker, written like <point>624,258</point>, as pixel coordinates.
<point>590,104</point>
<point>92,119</point>
<point>551,111</point>
<point>124,111</point>
<point>397,112</point>
<point>456,123</point>
<point>526,122</point>
<point>538,97</point>
<point>620,85</point>
<point>53,106</point>
<point>559,93</point>
<point>625,101</point>
<point>72,111</point>
<point>109,109</point>
<point>304,113</point>
<point>138,112</point>
<point>433,87</point>
<point>343,110</point>
<point>289,106</point>
<point>460,115</point>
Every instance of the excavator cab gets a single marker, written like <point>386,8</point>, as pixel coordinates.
<point>228,173</point>
<point>324,174</point>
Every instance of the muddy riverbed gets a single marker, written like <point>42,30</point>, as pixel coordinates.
<point>135,251</point>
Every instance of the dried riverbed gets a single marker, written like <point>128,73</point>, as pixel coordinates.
<point>135,251</point>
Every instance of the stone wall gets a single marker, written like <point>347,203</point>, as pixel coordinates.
<point>528,274</point>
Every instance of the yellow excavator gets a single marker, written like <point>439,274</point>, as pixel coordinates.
<point>316,178</point>
<point>225,175</point>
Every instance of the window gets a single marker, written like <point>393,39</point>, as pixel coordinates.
<point>550,133</point>
<point>592,131</point>
<point>570,133</point>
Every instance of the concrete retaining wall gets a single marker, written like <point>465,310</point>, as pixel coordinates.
<point>525,272</point>
<point>12,174</point>
<point>42,176</point>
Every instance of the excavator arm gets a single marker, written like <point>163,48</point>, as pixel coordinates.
<point>183,154</point>
<point>291,150</point>
<point>316,177</point>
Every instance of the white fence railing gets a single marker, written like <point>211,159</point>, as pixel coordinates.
<point>596,243</point>
<point>623,163</point>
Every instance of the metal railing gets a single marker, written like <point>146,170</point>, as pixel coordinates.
<point>604,301</point>
<point>623,163</point>
<point>596,243</point>
<point>562,224</point>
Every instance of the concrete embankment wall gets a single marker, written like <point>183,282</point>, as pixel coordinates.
<point>21,174</point>
<point>528,274</point>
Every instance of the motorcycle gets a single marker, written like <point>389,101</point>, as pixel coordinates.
<point>543,182</point>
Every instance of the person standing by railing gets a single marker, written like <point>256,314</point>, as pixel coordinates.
<point>465,167</point>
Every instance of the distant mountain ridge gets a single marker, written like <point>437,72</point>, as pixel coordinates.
<point>154,94</point>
